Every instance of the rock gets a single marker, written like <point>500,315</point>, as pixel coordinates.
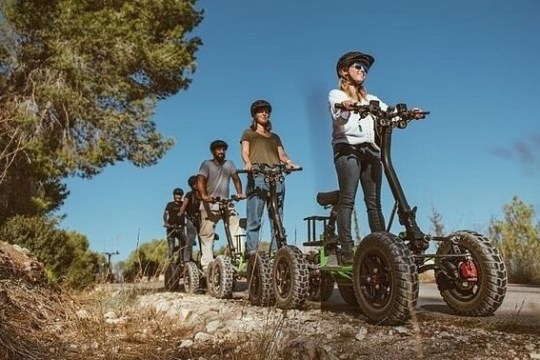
<point>109,315</point>
<point>186,343</point>
<point>203,337</point>
<point>361,335</point>
<point>402,330</point>
<point>117,321</point>
<point>185,315</point>
<point>212,326</point>
<point>163,306</point>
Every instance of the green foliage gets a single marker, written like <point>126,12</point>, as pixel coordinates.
<point>148,260</point>
<point>518,239</point>
<point>66,255</point>
<point>29,191</point>
<point>85,265</point>
<point>79,82</point>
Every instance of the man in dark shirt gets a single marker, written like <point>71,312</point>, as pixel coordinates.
<point>190,210</point>
<point>174,222</point>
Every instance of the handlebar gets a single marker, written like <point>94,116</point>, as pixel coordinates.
<point>394,116</point>
<point>266,169</point>
<point>221,200</point>
<point>173,226</point>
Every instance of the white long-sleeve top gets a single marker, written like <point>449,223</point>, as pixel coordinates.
<point>347,127</point>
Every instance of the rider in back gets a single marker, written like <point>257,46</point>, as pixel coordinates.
<point>191,210</point>
<point>261,146</point>
<point>213,182</point>
<point>173,220</point>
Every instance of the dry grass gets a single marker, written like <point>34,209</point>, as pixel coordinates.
<point>43,323</point>
<point>39,321</point>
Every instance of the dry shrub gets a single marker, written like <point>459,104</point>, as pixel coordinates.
<point>28,305</point>
<point>39,321</point>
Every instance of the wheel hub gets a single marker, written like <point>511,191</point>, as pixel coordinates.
<point>283,279</point>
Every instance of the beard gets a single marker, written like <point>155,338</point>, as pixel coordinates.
<point>220,158</point>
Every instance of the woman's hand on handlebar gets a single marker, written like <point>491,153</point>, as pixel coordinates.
<point>240,196</point>
<point>418,113</point>
<point>348,105</point>
<point>248,166</point>
<point>207,198</point>
<point>292,166</point>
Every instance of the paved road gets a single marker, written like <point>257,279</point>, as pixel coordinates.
<point>521,304</point>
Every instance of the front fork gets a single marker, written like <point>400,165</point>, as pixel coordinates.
<point>273,211</point>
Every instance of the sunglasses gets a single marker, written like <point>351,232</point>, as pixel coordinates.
<point>361,66</point>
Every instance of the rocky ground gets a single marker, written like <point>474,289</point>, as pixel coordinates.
<point>126,321</point>
<point>315,333</point>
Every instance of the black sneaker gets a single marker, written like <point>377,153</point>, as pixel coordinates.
<point>347,253</point>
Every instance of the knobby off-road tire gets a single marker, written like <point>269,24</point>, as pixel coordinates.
<point>321,283</point>
<point>290,276</point>
<point>479,298</point>
<point>210,275</point>
<point>192,281</point>
<point>221,279</point>
<point>172,277</point>
<point>259,274</point>
<point>385,279</point>
<point>321,287</point>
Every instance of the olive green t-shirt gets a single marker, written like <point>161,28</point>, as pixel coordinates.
<point>262,149</point>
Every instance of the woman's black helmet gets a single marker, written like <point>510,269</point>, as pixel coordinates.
<point>260,104</point>
<point>350,58</point>
<point>218,143</point>
<point>192,181</point>
<point>178,191</point>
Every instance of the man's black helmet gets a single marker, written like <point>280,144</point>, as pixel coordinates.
<point>260,104</point>
<point>192,180</point>
<point>178,191</point>
<point>218,143</point>
<point>350,58</point>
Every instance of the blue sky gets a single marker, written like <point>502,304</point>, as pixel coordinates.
<point>473,64</point>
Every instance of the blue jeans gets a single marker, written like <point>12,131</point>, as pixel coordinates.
<point>258,193</point>
<point>353,164</point>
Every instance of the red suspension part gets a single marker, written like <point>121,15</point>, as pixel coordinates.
<point>468,271</point>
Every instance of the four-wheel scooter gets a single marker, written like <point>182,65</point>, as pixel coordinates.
<point>179,271</point>
<point>226,269</point>
<point>281,275</point>
<point>469,271</point>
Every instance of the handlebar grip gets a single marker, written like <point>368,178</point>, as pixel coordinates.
<point>242,171</point>
<point>339,106</point>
